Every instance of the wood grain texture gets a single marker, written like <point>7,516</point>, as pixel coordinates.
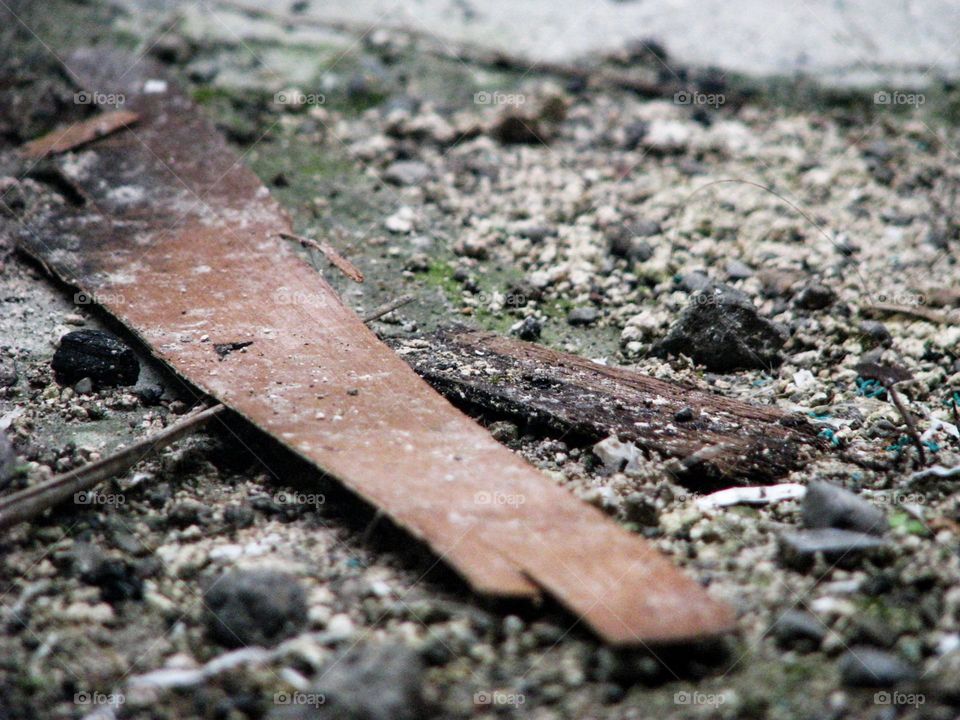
<point>725,442</point>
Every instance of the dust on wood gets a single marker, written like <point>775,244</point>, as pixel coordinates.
<point>719,440</point>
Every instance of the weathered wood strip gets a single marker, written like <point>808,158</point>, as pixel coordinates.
<point>723,442</point>
<point>187,256</point>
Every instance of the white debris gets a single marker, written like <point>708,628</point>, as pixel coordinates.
<point>937,471</point>
<point>618,456</point>
<point>935,426</point>
<point>755,495</point>
<point>154,87</point>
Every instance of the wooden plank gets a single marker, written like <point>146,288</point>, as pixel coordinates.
<point>188,258</point>
<point>725,442</point>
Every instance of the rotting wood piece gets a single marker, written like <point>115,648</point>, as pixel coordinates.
<point>725,442</point>
<point>187,258</point>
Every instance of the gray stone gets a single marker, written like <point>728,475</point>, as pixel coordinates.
<point>8,373</point>
<point>722,330</point>
<point>372,682</point>
<point>406,172</point>
<point>870,667</point>
<point>8,460</point>
<point>798,550</point>
<point>254,607</point>
<point>537,233</point>
<point>696,281</point>
<point>583,316</point>
<point>737,270</point>
<point>623,242</point>
<point>799,630</point>
<point>829,506</point>
<point>84,386</point>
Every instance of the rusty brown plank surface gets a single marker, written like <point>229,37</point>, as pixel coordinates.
<point>738,442</point>
<point>178,240</point>
<point>63,139</point>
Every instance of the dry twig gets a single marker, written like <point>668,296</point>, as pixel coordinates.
<point>27,504</point>
<point>329,252</point>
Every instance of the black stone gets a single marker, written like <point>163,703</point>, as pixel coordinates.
<point>95,354</point>
<point>254,607</point>
<point>149,394</point>
<point>117,579</point>
<point>722,330</point>
<point>815,297</point>
<point>529,329</point>
<point>876,332</point>
<point>684,415</point>
<point>238,516</point>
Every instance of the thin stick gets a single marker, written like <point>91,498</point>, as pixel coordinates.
<point>387,307</point>
<point>335,258</point>
<point>921,313</point>
<point>908,419</point>
<point>27,504</point>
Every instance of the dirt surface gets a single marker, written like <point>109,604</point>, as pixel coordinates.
<point>509,200</point>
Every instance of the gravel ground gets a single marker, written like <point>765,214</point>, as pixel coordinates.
<point>596,221</point>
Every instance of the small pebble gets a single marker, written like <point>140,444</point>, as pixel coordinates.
<point>829,506</point>
<point>583,316</point>
<point>870,667</point>
<point>254,607</point>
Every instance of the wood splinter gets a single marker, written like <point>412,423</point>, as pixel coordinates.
<point>330,253</point>
<point>65,139</point>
